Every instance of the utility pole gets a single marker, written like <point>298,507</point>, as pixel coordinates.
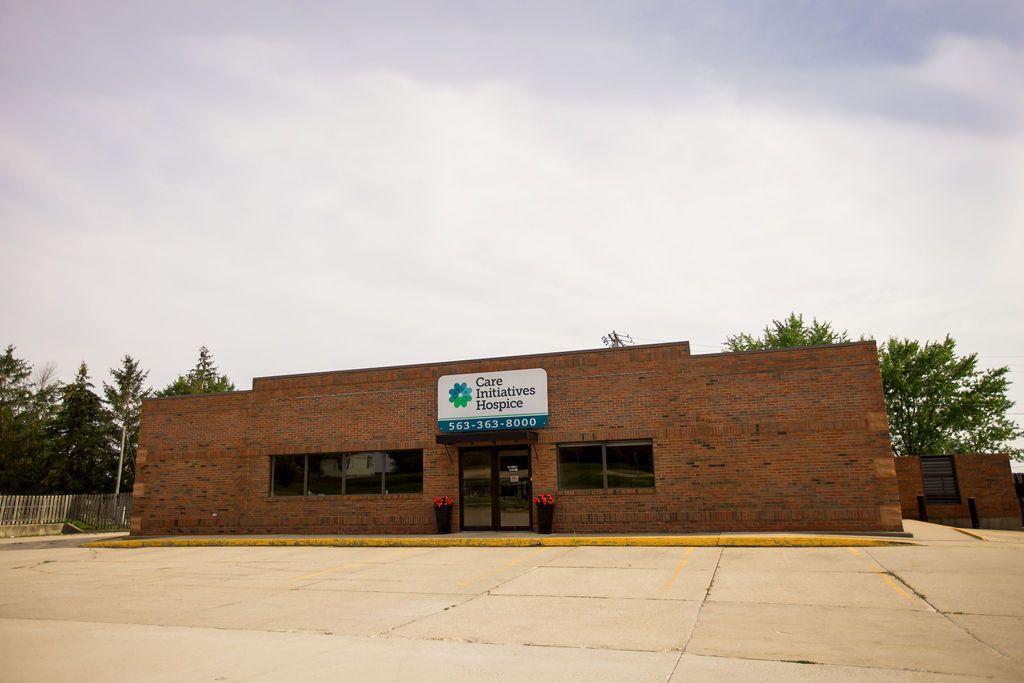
<point>120,460</point>
<point>615,340</point>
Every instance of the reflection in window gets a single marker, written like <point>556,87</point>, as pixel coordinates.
<point>606,466</point>
<point>288,475</point>
<point>629,465</point>
<point>364,473</point>
<point>580,467</point>
<point>403,472</point>
<point>325,475</point>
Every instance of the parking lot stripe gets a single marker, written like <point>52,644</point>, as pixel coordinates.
<point>875,568</point>
<point>507,565</point>
<point>678,570</point>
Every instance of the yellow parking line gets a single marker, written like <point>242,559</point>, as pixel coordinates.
<point>895,586</point>
<point>874,568</point>
<point>678,570</point>
<point>507,565</point>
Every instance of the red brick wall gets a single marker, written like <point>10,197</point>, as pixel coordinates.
<point>985,477</point>
<point>777,440</point>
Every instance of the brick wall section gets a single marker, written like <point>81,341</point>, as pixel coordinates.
<point>985,477</point>
<point>779,440</point>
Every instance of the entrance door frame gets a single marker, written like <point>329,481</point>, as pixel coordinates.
<point>495,488</point>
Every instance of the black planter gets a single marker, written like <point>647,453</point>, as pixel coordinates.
<point>545,513</point>
<point>444,519</point>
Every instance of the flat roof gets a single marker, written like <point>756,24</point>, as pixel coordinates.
<point>618,349</point>
<point>683,345</point>
<point>409,366</point>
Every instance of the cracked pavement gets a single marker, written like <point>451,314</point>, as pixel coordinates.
<point>950,609</point>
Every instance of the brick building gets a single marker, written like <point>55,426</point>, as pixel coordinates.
<point>947,483</point>
<point>637,439</point>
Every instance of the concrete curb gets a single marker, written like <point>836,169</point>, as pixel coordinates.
<point>514,542</point>
<point>26,530</point>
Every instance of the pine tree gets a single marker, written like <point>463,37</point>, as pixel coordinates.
<point>15,423</point>
<point>82,435</point>
<point>202,379</point>
<point>124,399</point>
<point>27,403</point>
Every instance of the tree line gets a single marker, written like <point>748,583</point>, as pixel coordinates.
<point>69,438</point>
<point>938,401</point>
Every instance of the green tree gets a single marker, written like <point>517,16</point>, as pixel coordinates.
<point>792,331</point>
<point>202,379</point>
<point>124,400</point>
<point>15,423</point>
<point>27,402</point>
<point>939,402</point>
<point>82,435</point>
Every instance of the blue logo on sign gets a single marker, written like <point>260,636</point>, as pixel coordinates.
<point>460,394</point>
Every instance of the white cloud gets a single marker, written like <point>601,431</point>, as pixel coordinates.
<point>300,218</point>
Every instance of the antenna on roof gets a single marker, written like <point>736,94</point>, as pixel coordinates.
<point>615,340</point>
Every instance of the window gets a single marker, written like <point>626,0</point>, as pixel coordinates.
<point>325,475</point>
<point>363,473</point>
<point>366,473</point>
<point>606,466</point>
<point>288,475</point>
<point>403,472</point>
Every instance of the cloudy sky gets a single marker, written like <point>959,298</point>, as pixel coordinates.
<point>306,186</point>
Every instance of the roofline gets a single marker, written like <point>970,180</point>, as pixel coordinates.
<point>659,345</point>
<point>212,393</point>
<point>412,366</point>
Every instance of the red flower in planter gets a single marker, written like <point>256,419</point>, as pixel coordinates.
<point>544,499</point>
<point>443,502</point>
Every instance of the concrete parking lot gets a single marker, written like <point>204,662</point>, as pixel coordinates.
<point>949,609</point>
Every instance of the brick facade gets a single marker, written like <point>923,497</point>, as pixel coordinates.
<point>985,477</point>
<point>792,439</point>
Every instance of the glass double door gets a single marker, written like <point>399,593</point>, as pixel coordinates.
<point>495,483</point>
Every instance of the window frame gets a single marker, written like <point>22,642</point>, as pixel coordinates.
<point>380,457</point>
<point>604,463</point>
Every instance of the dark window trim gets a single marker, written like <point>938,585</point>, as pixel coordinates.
<point>344,478</point>
<point>604,462</point>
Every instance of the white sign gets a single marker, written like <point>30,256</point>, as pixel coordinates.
<point>516,399</point>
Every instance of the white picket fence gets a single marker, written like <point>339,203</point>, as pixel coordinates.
<point>105,511</point>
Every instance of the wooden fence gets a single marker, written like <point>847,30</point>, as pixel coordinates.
<point>103,511</point>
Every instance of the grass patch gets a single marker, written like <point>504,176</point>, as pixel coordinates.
<point>900,579</point>
<point>80,525</point>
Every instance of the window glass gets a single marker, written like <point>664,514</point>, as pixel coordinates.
<point>403,472</point>
<point>579,467</point>
<point>288,475</point>
<point>363,473</point>
<point>324,475</point>
<point>630,465</point>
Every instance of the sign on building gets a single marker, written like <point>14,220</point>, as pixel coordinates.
<point>516,399</point>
